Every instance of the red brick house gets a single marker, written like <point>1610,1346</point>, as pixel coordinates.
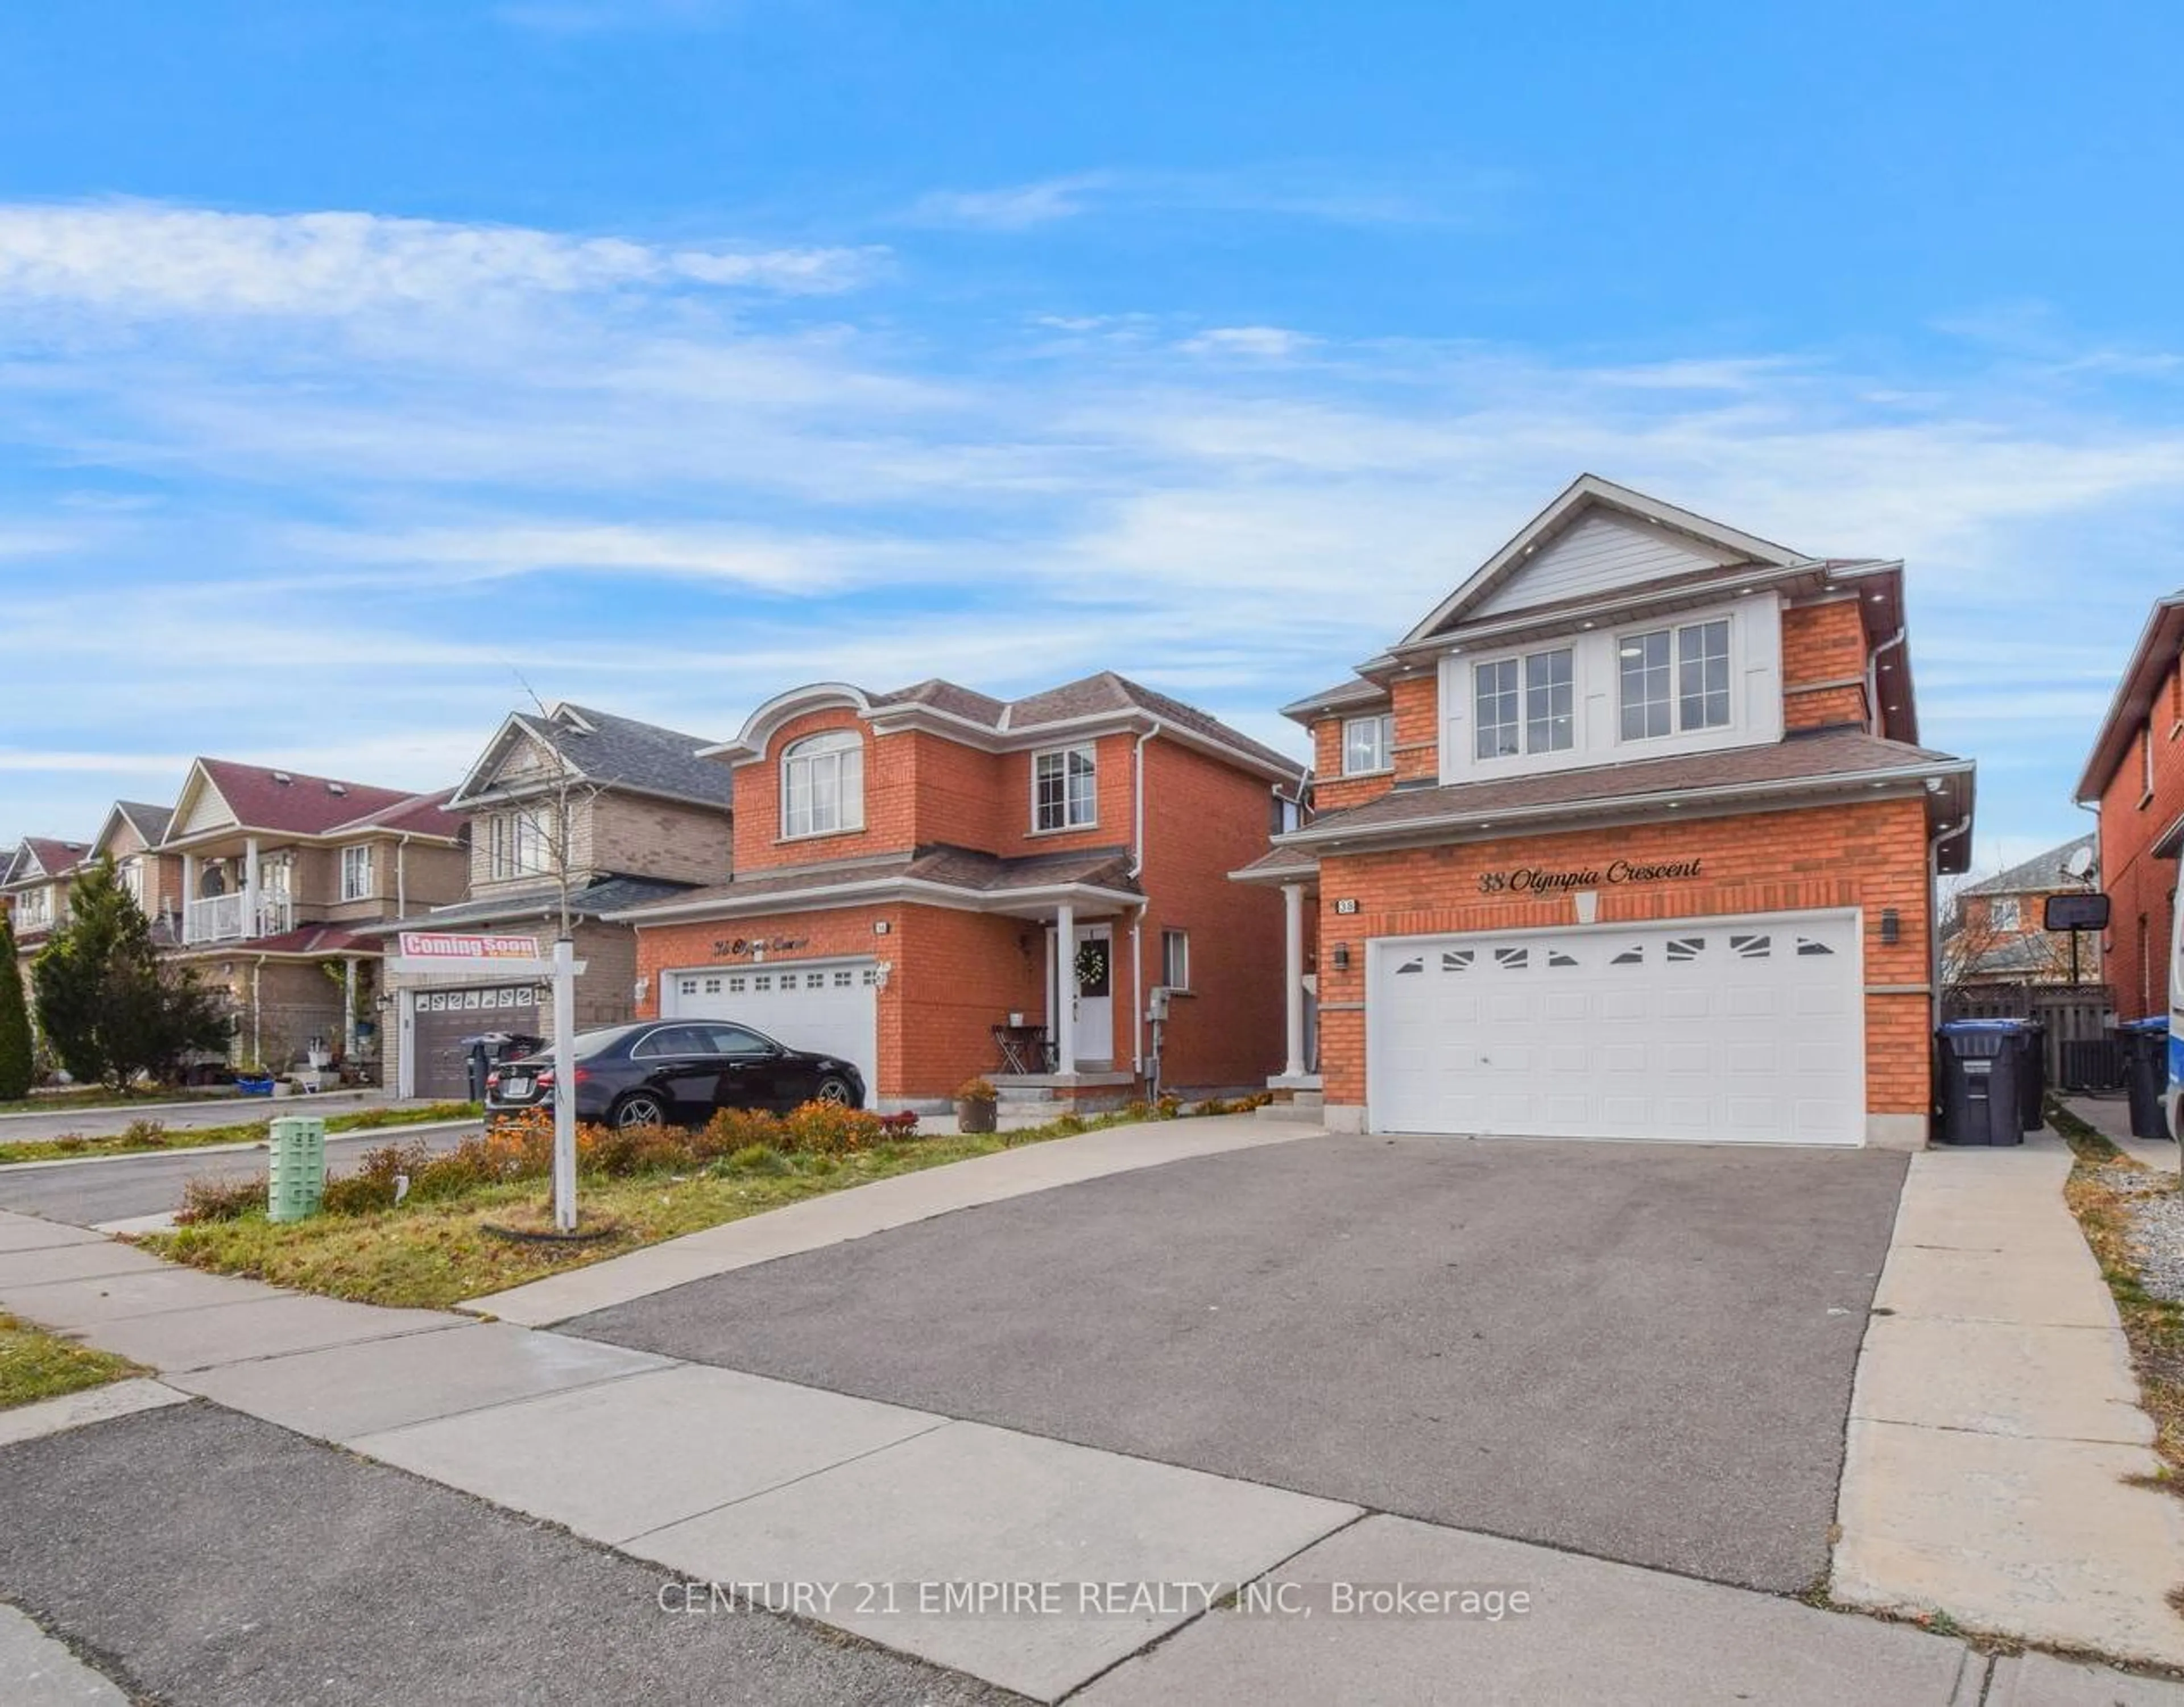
<point>1996,936</point>
<point>2136,775</point>
<point>1631,836</point>
<point>913,870</point>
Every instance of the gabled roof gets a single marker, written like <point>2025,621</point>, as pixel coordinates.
<point>1695,541</point>
<point>606,751</point>
<point>1003,724</point>
<point>43,856</point>
<point>2044,873</point>
<point>2159,643</point>
<point>262,797</point>
<point>149,822</point>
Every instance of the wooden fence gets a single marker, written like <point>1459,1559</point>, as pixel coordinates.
<point>2082,1015</point>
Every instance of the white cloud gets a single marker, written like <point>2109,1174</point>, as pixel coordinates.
<point>1013,208</point>
<point>141,258</point>
<point>1263,342</point>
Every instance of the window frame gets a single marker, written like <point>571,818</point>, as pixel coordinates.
<point>38,917</point>
<point>1673,668</point>
<point>1514,687</point>
<point>355,856</point>
<point>1997,905</point>
<point>511,835</point>
<point>1068,801</point>
<point>1382,724</point>
<point>1175,943</point>
<point>833,750</point>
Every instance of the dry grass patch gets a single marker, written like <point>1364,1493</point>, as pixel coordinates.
<point>140,1137</point>
<point>34,1364</point>
<point>2154,1326</point>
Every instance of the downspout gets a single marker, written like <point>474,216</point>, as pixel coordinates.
<point>1873,678</point>
<point>1137,923</point>
<point>401,877</point>
<point>1934,917</point>
<point>258,1016</point>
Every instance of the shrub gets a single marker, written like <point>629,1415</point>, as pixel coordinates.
<point>1169,1106</point>
<point>148,1133</point>
<point>757,1159</point>
<point>1069,1125</point>
<point>827,1129</point>
<point>734,1129</point>
<point>976,1091</point>
<point>902,1125</point>
<point>358,1194</point>
<point>207,1199</point>
<point>70,1142</point>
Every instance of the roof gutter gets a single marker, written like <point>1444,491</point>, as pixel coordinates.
<point>1490,817</point>
<point>872,889</point>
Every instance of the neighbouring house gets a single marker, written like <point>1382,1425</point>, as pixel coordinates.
<point>130,838</point>
<point>34,886</point>
<point>1631,836</point>
<point>1996,937</point>
<point>281,873</point>
<point>2136,777</point>
<point>935,884</point>
<point>565,803</point>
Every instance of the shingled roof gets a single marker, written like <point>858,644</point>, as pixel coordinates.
<point>2042,875</point>
<point>615,751</point>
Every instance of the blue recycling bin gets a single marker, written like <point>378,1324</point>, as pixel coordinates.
<point>2146,1051</point>
<point>1989,1085</point>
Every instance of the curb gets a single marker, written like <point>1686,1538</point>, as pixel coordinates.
<point>240,1144</point>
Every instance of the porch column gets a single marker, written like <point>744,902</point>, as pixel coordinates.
<point>189,891</point>
<point>250,927</point>
<point>1293,977</point>
<point>348,1010</point>
<point>1065,994</point>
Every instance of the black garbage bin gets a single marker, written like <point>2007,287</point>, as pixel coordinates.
<point>2035,1108</point>
<point>1987,1080</point>
<point>2145,1076</point>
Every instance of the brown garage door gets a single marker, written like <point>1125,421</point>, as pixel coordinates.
<point>444,1017</point>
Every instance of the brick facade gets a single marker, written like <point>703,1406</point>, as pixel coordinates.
<point>2140,887</point>
<point>1870,856</point>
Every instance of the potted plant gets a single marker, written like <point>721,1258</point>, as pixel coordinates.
<point>977,1106</point>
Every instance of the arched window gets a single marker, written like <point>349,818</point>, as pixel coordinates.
<point>822,784</point>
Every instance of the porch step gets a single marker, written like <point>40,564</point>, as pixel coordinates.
<point>1307,1105</point>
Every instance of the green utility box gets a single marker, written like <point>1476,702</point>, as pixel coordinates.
<point>296,1181</point>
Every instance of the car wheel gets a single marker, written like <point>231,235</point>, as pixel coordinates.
<point>835,1089</point>
<point>642,1109</point>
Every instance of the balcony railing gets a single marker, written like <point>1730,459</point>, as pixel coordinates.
<point>226,918</point>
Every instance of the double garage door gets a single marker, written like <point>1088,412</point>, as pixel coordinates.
<point>440,1019</point>
<point>828,1006</point>
<point>1718,1031</point>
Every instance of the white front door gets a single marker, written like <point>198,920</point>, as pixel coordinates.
<point>1093,966</point>
<point>1719,1030</point>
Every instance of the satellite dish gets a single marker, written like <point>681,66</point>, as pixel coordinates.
<point>2080,864</point>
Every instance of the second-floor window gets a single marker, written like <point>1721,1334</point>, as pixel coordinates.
<point>356,872</point>
<point>518,845</point>
<point>2002,912</point>
<point>822,784</point>
<point>1368,744</point>
<point>34,908</point>
<point>1525,704</point>
<point>1674,680</point>
<point>1064,789</point>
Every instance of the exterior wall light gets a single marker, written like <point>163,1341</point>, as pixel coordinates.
<point>1342,957</point>
<point>1891,926</point>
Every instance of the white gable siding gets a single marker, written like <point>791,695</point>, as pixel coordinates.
<point>1598,553</point>
<point>206,812</point>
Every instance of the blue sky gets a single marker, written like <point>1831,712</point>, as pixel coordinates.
<point>362,363</point>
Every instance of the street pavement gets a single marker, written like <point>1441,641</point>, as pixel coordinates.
<point>1640,1352</point>
<point>89,1193</point>
<point>31,1126</point>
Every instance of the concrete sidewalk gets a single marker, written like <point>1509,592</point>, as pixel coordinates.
<point>2110,1116</point>
<point>884,1517</point>
<point>874,1208</point>
<point>1995,1429</point>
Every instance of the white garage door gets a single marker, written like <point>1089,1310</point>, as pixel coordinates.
<point>1724,1031</point>
<point>828,1006</point>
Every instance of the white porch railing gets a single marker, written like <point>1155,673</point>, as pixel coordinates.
<point>225,918</point>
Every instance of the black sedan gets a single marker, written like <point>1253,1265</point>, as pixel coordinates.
<point>676,1070</point>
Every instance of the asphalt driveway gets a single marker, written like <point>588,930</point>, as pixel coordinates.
<point>1640,1352</point>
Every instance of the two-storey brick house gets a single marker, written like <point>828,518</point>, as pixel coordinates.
<point>936,883</point>
<point>281,873</point>
<point>1630,837</point>
<point>571,804</point>
<point>1996,939</point>
<point>2135,776</point>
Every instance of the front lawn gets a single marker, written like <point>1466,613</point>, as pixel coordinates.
<point>434,1249</point>
<point>98,1096</point>
<point>36,1365</point>
<point>140,1136</point>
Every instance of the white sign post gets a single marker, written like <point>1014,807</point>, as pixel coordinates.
<point>447,952</point>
